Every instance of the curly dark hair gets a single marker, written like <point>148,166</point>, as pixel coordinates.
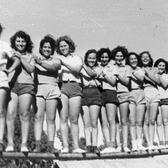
<point>26,37</point>
<point>127,62</point>
<point>161,60</point>
<point>47,39</point>
<point>87,54</point>
<point>68,40</point>
<point>150,64</point>
<point>102,51</point>
<point>121,49</point>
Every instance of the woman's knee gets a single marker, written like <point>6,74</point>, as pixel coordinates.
<point>73,120</point>
<point>2,112</point>
<point>24,115</point>
<point>11,114</point>
<point>165,121</point>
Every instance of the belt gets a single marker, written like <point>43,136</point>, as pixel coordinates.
<point>90,86</point>
<point>69,81</point>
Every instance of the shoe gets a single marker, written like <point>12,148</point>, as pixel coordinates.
<point>134,146</point>
<point>64,150</point>
<point>1,147</point>
<point>9,148</point>
<point>108,150</point>
<point>95,149</point>
<point>126,149</point>
<point>89,149</point>
<point>78,150</point>
<point>24,148</point>
<point>37,148</point>
<point>151,147</point>
<point>162,147</point>
<point>118,149</point>
<point>141,148</point>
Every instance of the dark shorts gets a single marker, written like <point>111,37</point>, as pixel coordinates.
<point>109,96</point>
<point>23,88</point>
<point>163,101</point>
<point>71,89</point>
<point>91,96</point>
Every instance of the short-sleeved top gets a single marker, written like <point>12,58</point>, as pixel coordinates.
<point>163,92</point>
<point>4,48</point>
<point>87,80</point>
<point>66,74</point>
<point>109,70</point>
<point>135,85</point>
<point>23,76</point>
<point>125,70</point>
<point>44,76</point>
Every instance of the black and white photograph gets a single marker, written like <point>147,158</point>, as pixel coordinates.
<point>83,84</point>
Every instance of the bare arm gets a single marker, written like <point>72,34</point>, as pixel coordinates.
<point>28,66</point>
<point>110,79</point>
<point>163,82</point>
<point>50,65</point>
<point>152,76</point>
<point>89,71</point>
<point>74,67</point>
<point>123,79</point>
<point>16,63</point>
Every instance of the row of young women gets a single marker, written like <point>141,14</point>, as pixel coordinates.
<point>130,84</point>
<point>105,82</point>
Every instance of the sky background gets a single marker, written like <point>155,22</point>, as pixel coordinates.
<point>137,24</point>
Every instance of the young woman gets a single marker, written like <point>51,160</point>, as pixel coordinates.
<point>107,75</point>
<point>5,57</point>
<point>91,100</point>
<point>71,91</point>
<point>23,90</point>
<point>151,95</point>
<point>137,101</point>
<point>48,92</point>
<point>119,54</point>
<point>162,66</point>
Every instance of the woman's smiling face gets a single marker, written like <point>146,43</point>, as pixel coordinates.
<point>161,67</point>
<point>91,59</point>
<point>133,61</point>
<point>64,48</point>
<point>20,44</point>
<point>46,49</point>
<point>104,59</point>
<point>145,59</point>
<point>119,58</point>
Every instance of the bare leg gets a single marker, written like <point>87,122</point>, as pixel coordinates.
<point>11,114</point>
<point>64,120</point>
<point>25,102</point>
<point>94,113</point>
<point>39,118</point>
<point>111,113</point>
<point>87,124</point>
<point>152,118</point>
<point>3,103</point>
<point>124,109</point>
<point>74,110</point>
<point>105,126</point>
<point>51,106</point>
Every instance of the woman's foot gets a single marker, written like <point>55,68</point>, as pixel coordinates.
<point>95,149</point>
<point>89,148</point>
<point>78,150</point>
<point>65,150</point>
<point>24,148</point>
<point>9,148</point>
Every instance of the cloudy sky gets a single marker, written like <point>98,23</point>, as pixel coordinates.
<point>137,24</point>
